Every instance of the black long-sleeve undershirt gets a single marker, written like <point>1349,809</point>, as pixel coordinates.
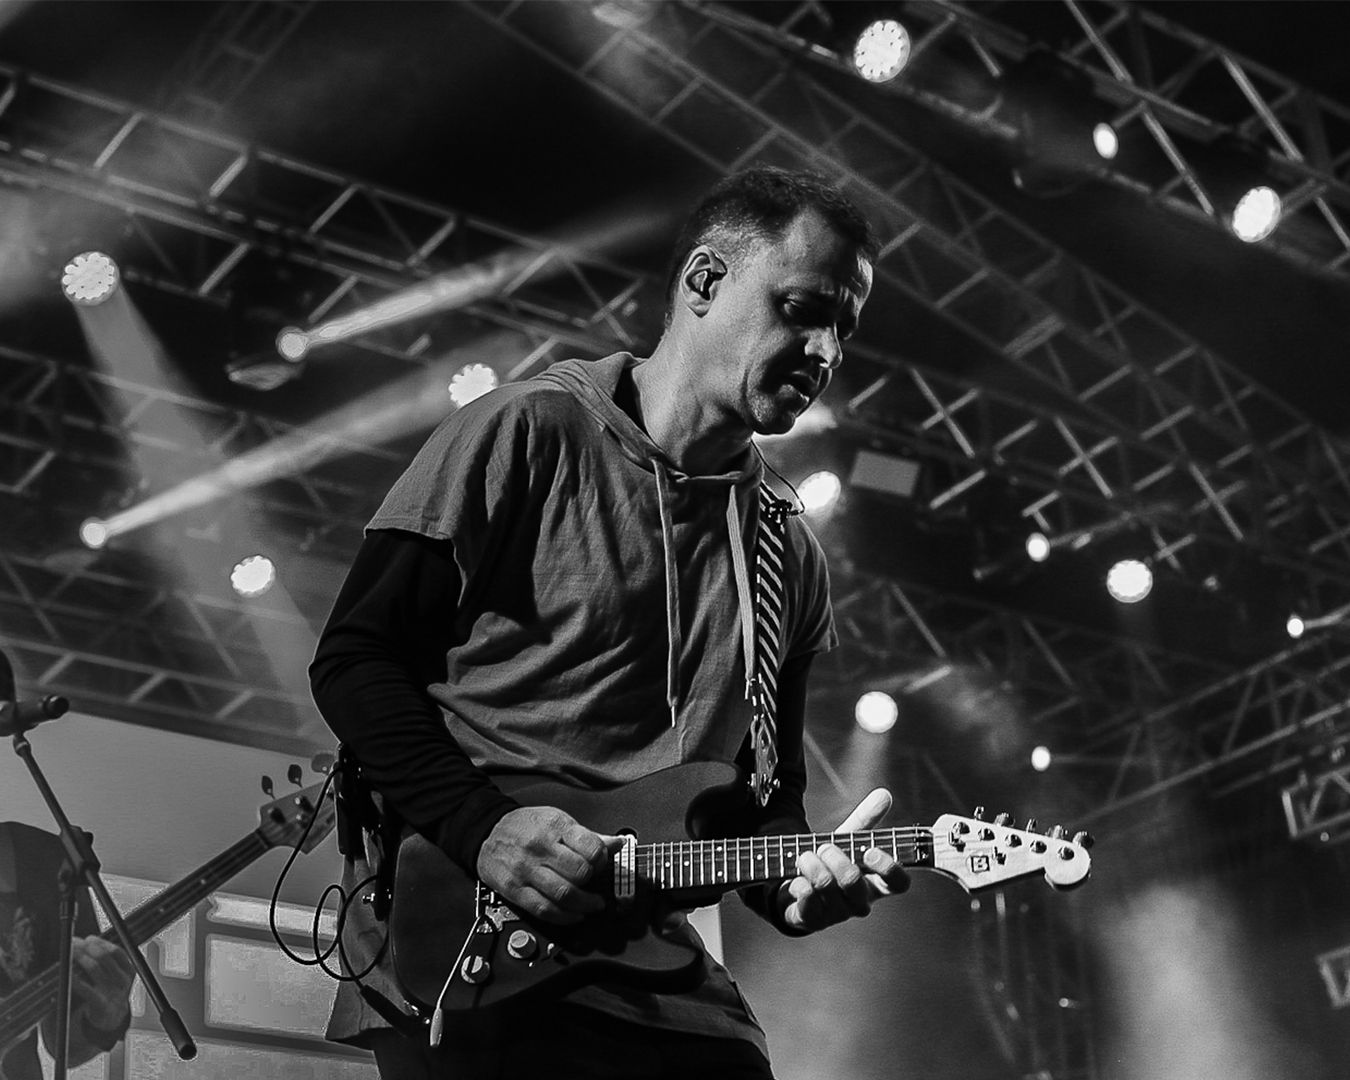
<point>385,642</point>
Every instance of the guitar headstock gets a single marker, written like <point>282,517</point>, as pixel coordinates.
<point>981,854</point>
<point>282,822</point>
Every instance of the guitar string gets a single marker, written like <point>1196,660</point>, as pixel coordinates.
<point>676,856</point>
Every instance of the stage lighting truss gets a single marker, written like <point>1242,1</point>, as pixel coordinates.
<point>1187,423</point>
<point>89,279</point>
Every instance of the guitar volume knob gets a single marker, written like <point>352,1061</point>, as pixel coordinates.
<point>475,970</point>
<point>522,945</point>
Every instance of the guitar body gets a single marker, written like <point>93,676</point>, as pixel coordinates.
<point>435,929</point>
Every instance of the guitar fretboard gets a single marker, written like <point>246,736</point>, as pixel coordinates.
<point>738,861</point>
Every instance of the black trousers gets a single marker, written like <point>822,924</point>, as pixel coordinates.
<point>570,1041</point>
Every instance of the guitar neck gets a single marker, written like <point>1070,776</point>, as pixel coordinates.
<point>160,910</point>
<point>699,865</point>
<point>25,1008</point>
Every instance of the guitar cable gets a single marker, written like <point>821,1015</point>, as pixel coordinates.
<point>321,955</point>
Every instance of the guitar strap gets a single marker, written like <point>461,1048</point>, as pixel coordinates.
<point>763,687</point>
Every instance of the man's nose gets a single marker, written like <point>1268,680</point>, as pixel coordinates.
<point>824,346</point>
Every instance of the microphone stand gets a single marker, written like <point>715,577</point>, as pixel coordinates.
<point>83,863</point>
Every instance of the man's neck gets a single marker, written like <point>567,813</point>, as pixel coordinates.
<point>664,404</point>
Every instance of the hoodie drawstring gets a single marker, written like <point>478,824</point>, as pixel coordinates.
<point>672,590</point>
<point>744,597</point>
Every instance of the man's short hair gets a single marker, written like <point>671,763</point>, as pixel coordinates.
<point>758,205</point>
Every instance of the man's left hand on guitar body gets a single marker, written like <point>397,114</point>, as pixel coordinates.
<point>102,982</point>
<point>830,888</point>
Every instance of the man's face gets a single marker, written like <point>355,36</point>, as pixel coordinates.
<point>776,324</point>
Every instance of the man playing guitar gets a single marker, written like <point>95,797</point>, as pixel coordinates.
<point>580,576</point>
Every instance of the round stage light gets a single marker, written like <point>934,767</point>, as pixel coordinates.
<point>1256,215</point>
<point>1129,581</point>
<point>1038,547</point>
<point>253,576</point>
<point>89,278</point>
<point>876,712</point>
<point>1041,758</point>
<point>293,343</point>
<point>1295,626</point>
<point>819,491</point>
<point>94,533</point>
<point>470,382</point>
<point>882,51</point>
<point>1106,141</point>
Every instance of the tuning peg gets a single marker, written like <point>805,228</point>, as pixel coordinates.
<point>295,775</point>
<point>267,787</point>
<point>1004,820</point>
<point>1031,824</point>
<point>1059,832</point>
<point>1083,840</point>
<point>979,813</point>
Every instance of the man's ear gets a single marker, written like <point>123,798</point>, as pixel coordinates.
<point>699,279</point>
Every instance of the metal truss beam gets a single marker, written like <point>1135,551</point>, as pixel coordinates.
<point>133,649</point>
<point>1041,1013</point>
<point>63,443</point>
<point>1319,805</point>
<point>1170,87</point>
<point>199,204</point>
<point>233,47</point>
<point>1128,722</point>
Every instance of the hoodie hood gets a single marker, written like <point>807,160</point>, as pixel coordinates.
<point>594,384</point>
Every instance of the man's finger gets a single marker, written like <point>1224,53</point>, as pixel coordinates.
<point>867,813</point>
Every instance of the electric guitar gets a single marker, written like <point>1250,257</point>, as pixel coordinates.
<point>282,823</point>
<point>459,948</point>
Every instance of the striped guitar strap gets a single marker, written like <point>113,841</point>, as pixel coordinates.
<point>769,544</point>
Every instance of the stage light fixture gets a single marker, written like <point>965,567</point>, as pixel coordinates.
<point>1106,141</point>
<point>94,533</point>
<point>89,278</point>
<point>819,491</point>
<point>1257,214</point>
<point>1038,547</point>
<point>1236,175</point>
<point>472,381</point>
<point>1064,128</point>
<point>293,343</point>
<point>881,51</point>
<point>1129,581</point>
<point>876,712</point>
<point>1295,625</point>
<point>1041,758</point>
<point>253,576</point>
